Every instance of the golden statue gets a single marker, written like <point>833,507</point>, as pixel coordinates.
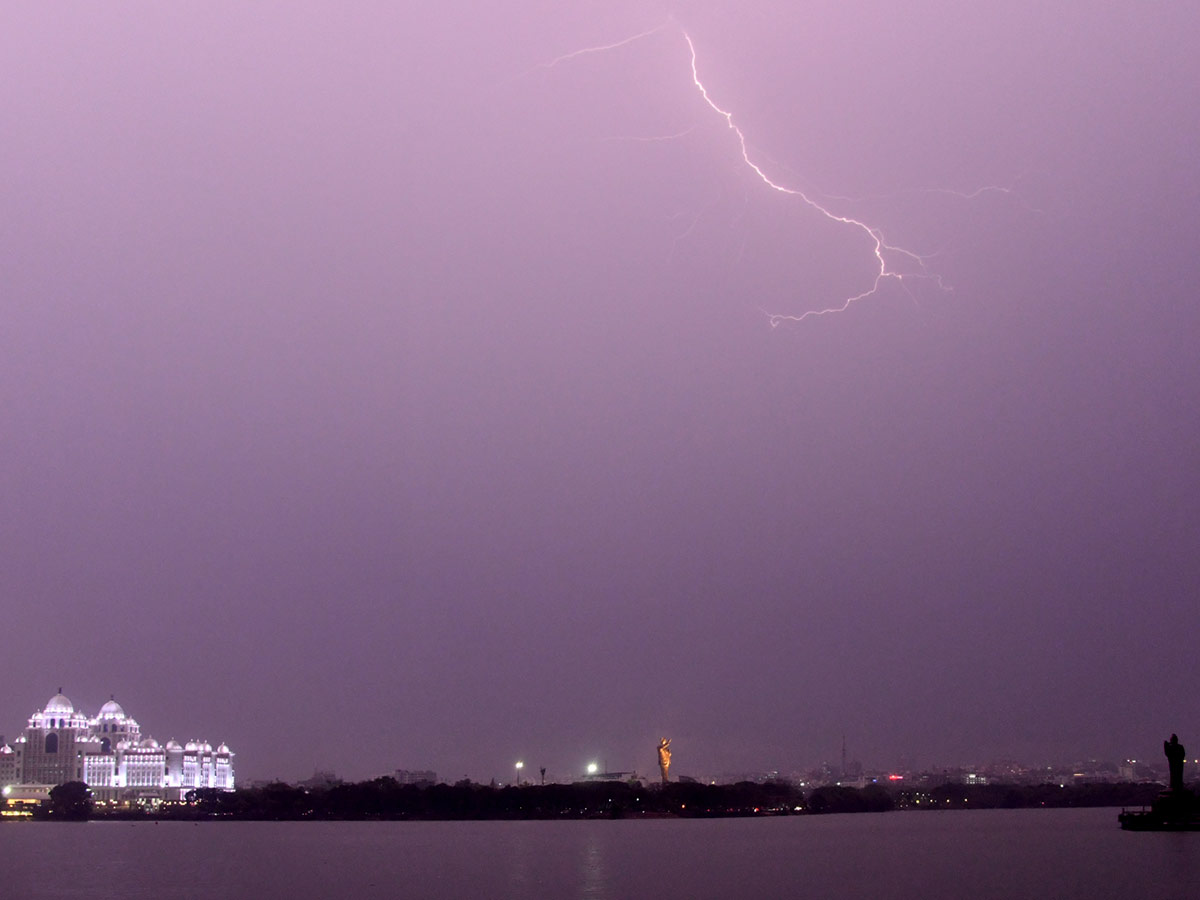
<point>664,757</point>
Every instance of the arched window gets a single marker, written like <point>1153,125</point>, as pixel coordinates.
<point>52,743</point>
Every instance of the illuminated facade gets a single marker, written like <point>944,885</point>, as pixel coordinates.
<point>109,753</point>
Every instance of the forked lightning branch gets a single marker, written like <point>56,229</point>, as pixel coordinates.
<point>890,262</point>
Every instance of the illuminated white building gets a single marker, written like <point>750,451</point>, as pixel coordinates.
<point>109,753</point>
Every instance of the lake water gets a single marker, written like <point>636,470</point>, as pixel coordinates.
<point>1050,854</point>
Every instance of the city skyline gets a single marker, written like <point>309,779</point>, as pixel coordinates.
<point>439,388</point>
<point>848,767</point>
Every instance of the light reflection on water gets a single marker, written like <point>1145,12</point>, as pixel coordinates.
<point>987,855</point>
<point>593,877</point>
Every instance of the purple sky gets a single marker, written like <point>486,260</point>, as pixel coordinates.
<point>369,400</point>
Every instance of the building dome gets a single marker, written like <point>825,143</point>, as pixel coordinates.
<point>111,710</point>
<point>59,705</point>
<point>107,750</point>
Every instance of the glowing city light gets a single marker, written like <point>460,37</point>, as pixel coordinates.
<point>592,768</point>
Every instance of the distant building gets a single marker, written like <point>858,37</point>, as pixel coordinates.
<point>415,776</point>
<point>320,780</point>
<point>620,776</point>
<point>109,754</point>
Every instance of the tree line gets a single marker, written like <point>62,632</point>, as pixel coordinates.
<point>385,798</point>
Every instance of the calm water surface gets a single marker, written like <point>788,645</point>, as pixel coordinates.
<point>1053,854</point>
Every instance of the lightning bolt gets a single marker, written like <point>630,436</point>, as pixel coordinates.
<point>655,139</point>
<point>1008,190</point>
<point>575,54</point>
<point>909,265</point>
<point>880,246</point>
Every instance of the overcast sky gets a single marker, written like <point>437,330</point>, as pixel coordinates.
<point>380,388</point>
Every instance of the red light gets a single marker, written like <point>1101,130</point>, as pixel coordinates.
<point>895,778</point>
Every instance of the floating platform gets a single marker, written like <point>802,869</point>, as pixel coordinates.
<point>1171,811</point>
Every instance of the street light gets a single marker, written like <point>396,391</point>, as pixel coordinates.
<point>520,766</point>
<point>593,768</point>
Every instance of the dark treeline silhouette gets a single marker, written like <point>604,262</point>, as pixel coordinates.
<point>840,799</point>
<point>1022,796</point>
<point>385,798</point>
<point>71,801</point>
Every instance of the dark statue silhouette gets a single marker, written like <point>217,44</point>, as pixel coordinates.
<point>1176,808</point>
<point>1175,754</point>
